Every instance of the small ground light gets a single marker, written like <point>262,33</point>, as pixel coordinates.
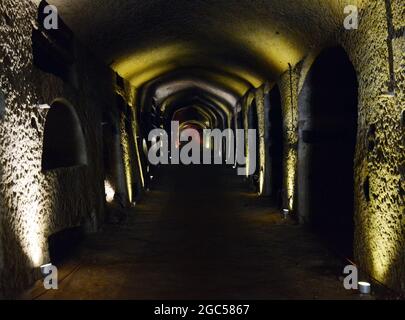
<point>286,212</point>
<point>364,287</point>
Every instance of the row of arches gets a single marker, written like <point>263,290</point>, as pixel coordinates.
<point>327,129</point>
<point>327,133</point>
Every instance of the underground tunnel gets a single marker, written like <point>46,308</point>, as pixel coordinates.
<point>199,150</point>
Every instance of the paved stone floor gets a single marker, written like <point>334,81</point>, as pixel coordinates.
<point>199,234</point>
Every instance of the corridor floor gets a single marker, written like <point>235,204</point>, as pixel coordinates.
<point>199,234</point>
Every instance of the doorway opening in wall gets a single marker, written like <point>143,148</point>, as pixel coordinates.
<point>64,144</point>
<point>328,130</point>
<point>276,146</point>
<point>253,123</point>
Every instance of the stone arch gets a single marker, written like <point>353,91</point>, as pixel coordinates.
<point>276,145</point>
<point>64,144</point>
<point>328,114</point>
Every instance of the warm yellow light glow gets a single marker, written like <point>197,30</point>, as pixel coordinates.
<point>291,162</point>
<point>261,182</point>
<point>31,235</point>
<point>29,195</point>
<point>142,66</point>
<point>126,153</point>
<point>137,148</point>
<point>383,235</point>
<point>109,191</point>
<point>261,143</point>
<point>275,51</point>
<point>237,86</point>
<point>34,248</point>
<point>245,110</point>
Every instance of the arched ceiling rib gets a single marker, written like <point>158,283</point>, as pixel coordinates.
<point>227,81</point>
<point>253,39</point>
<point>226,88</point>
<point>179,85</point>
<point>195,113</point>
<point>221,114</point>
<point>192,96</point>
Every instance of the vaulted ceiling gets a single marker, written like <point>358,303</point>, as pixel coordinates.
<point>254,39</point>
<point>228,46</point>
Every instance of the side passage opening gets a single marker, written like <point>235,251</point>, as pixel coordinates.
<point>253,123</point>
<point>328,129</point>
<point>276,146</point>
<point>64,145</point>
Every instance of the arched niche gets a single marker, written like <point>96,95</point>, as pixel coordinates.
<point>64,144</point>
<point>327,139</point>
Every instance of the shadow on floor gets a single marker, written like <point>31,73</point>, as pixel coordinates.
<point>199,235</point>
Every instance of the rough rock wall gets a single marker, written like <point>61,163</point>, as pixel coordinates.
<point>127,159</point>
<point>36,204</point>
<point>380,221</point>
<point>287,84</point>
<point>261,152</point>
<point>246,104</point>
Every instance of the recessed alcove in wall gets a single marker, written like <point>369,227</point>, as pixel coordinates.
<point>253,123</point>
<point>64,144</point>
<point>276,145</point>
<point>327,132</point>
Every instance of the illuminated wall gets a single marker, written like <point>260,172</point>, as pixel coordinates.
<point>127,158</point>
<point>135,132</point>
<point>246,103</point>
<point>289,98</point>
<point>380,220</point>
<point>130,95</point>
<point>261,143</point>
<point>133,171</point>
<point>35,204</point>
<point>133,102</point>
